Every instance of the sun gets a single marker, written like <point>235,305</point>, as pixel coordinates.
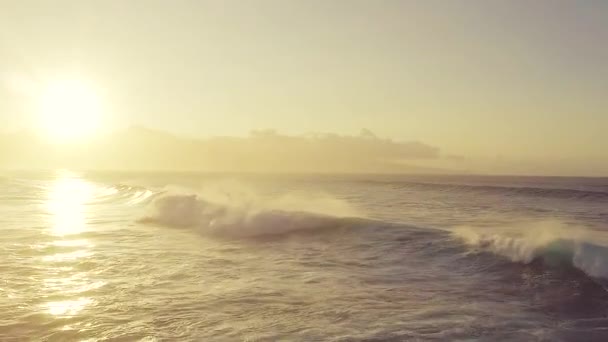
<point>69,110</point>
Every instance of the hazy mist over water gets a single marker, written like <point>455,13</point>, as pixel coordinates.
<point>266,151</point>
<point>190,256</point>
<point>142,149</point>
<point>513,87</point>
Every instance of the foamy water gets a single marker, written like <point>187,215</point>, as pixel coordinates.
<point>262,258</point>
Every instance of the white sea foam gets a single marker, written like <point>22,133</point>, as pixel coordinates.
<point>551,241</point>
<point>244,214</point>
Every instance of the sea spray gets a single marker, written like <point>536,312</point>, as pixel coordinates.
<point>243,216</point>
<point>552,242</point>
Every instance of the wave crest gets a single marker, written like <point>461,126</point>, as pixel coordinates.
<point>551,243</point>
<point>236,221</point>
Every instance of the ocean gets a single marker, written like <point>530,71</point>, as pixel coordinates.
<point>88,256</point>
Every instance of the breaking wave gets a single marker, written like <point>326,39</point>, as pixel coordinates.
<point>134,194</point>
<point>548,243</point>
<point>235,221</point>
<point>130,195</point>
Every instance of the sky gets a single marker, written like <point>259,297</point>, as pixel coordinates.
<point>501,86</point>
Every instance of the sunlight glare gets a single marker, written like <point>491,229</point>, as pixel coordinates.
<point>69,110</point>
<point>67,307</point>
<point>66,203</point>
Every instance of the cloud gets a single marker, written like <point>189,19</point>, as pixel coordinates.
<point>262,151</point>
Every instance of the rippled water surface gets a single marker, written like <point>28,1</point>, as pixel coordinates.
<point>152,257</point>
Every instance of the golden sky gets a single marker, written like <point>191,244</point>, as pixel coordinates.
<point>508,85</point>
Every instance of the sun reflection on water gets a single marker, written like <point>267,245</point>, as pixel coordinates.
<point>67,204</point>
<point>68,256</point>
<point>67,307</point>
<point>72,243</point>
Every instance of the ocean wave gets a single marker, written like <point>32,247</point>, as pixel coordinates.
<point>563,193</point>
<point>554,247</point>
<point>235,221</point>
<point>131,195</point>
